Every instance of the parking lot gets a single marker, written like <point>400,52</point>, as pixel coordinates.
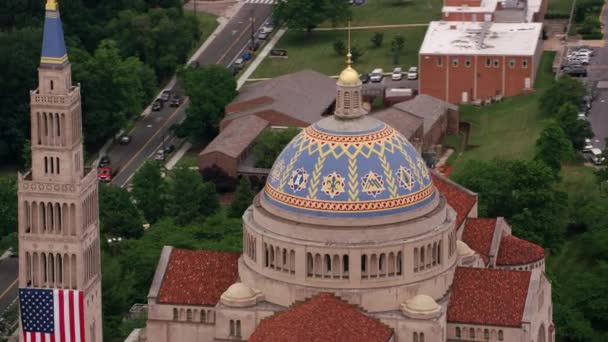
<point>597,71</point>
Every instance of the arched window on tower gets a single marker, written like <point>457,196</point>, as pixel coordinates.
<point>346,100</point>
<point>364,266</point>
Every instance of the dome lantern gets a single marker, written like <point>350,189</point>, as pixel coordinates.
<point>349,104</point>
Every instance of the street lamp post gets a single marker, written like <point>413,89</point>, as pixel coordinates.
<point>252,20</point>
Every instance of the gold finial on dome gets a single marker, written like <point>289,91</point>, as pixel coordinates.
<point>51,5</point>
<point>349,76</point>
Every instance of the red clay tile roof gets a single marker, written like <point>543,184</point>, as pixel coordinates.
<point>324,317</point>
<point>515,251</point>
<point>198,277</point>
<point>457,198</point>
<point>478,234</point>
<point>488,296</point>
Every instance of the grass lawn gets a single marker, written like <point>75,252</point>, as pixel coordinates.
<point>392,12</point>
<point>189,159</point>
<point>560,6</point>
<point>208,23</point>
<point>508,129</point>
<point>316,51</point>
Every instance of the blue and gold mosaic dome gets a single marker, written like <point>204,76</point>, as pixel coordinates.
<point>359,168</point>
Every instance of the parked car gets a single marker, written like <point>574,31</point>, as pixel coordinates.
<point>397,74</point>
<point>165,95</point>
<point>157,105</point>
<point>104,161</point>
<point>580,59</point>
<point>364,78</point>
<point>412,73</point>
<point>571,64</point>
<point>176,101</point>
<point>588,145</point>
<point>169,149</point>
<point>263,35</point>
<point>194,64</point>
<point>104,174</point>
<point>268,27</point>
<point>246,55</point>
<point>376,75</point>
<point>587,102</point>
<point>581,116</point>
<point>124,139</point>
<point>597,156</point>
<point>585,50</point>
<point>254,46</point>
<point>576,71</point>
<point>239,64</point>
<point>160,155</point>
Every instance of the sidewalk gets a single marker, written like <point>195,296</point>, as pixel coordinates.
<point>177,156</point>
<point>369,27</point>
<point>259,58</point>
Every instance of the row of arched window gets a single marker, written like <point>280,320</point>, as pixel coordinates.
<point>530,267</point>
<point>381,265</point>
<point>194,315</point>
<point>91,261</point>
<point>249,245</point>
<point>49,218</point>
<point>235,328</point>
<point>50,270</point>
<point>477,333</point>
<point>347,101</point>
<point>418,337</point>
<point>90,209</point>
<point>327,266</point>
<point>428,256</point>
<point>50,128</point>
<point>52,166</point>
<point>279,259</point>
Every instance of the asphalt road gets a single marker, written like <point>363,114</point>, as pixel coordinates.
<point>151,130</point>
<point>9,268</point>
<point>598,71</point>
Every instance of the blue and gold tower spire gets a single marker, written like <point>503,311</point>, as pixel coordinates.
<point>54,52</point>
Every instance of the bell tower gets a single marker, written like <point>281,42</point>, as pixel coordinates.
<point>58,198</point>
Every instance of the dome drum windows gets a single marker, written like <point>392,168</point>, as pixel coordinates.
<point>279,259</point>
<point>428,256</point>
<point>382,265</point>
<point>327,266</point>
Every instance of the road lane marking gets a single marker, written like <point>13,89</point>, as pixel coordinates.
<point>247,28</point>
<point>124,166</point>
<point>8,288</point>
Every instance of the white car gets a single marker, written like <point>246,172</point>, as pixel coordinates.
<point>397,74</point>
<point>597,156</point>
<point>581,116</point>
<point>585,50</point>
<point>160,155</point>
<point>377,75</point>
<point>588,145</point>
<point>412,73</point>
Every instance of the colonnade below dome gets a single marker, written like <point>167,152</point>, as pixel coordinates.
<point>287,268</point>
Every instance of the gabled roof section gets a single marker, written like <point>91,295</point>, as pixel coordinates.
<point>323,317</point>
<point>459,198</point>
<point>426,107</point>
<point>53,44</point>
<point>478,234</point>
<point>303,95</point>
<point>405,123</point>
<point>197,277</point>
<point>237,137</point>
<point>515,251</point>
<point>488,296</point>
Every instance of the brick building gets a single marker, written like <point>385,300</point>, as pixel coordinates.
<point>463,62</point>
<point>423,119</point>
<point>510,11</point>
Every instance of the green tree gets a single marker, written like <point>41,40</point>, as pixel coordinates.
<point>8,205</point>
<point>210,89</point>
<point>553,146</point>
<point>397,45</point>
<point>149,191</point>
<point>377,39</point>
<point>576,130</point>
<point>356,53</point>
<point>308,14</point>
<point>522,191</point>
<point>564,90</point>
<point>270,143</point>
<point>339,47</point>
<point>114,90</point>
<point>118,292</point>
<point>191,198</point>
<point>242,198</point>
<point>118,215</point>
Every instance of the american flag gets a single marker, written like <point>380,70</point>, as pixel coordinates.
<point>52,315</point>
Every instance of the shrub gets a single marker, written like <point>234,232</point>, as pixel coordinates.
<point>377,39</point>
<point>339,48</point>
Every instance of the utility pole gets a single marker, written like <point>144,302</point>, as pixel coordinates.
<point>252,20</point>
<point>194,5</point>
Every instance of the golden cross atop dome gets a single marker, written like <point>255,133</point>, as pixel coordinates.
<point>51,5</point>
<point>349,55</point>
<point>349,76</point>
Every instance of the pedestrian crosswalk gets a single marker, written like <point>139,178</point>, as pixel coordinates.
<point>264,2</point>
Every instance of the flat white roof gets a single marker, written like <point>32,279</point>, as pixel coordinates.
<point>481,38</point>
<point>533,7</point>
<point>487,6</point>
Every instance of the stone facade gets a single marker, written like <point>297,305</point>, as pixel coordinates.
<point>58,199</point>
